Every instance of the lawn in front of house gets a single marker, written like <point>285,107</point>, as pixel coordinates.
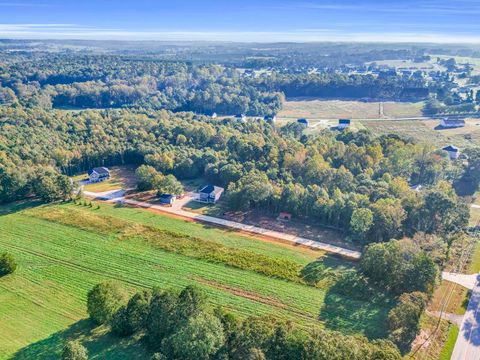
<point>121,177</point>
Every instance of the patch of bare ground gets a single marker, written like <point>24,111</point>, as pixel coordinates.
<point>266,300</point>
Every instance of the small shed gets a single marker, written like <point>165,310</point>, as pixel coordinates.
<point>167,199</point>
<point>284,216</point>
<point>453,151</point>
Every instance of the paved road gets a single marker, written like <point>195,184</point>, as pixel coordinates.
<point>118,196</point>
<point>467,346</point>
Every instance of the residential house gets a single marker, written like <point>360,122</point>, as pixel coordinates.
<point>303,121</point>
<point>452,151</point>
<point>210,194</point>
<point>98,174</point>
<point>451,124</point>
<point>241,117</point>
<point>271,119</point>
<point>343,124</point>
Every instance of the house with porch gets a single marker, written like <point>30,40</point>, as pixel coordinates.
<point>98,174</point>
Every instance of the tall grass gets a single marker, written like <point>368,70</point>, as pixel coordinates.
<point>173,242</point>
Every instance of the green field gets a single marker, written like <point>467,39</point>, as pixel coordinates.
<point>44,301</point>
<point>315,109</point>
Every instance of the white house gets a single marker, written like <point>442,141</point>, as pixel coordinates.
<point>303,121</point>
<point>241,117</point>
<point>451,124</point>
<point>343,124</point>
<point>271,119</point>
<point>98,174</point>
<point>210,194</point>
<point>452,151</point>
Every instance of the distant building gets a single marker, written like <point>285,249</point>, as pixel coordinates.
<point>241,117</point>
<point>270,119</point>
<point>213,115</point>
<point>210,194</point>
<point>343,124</point>
<point>303,121</point>
<point>167,199</point>
<point>284,216</point>
<point>98,174</point>
<point>451,124</point>
<point>452,151</point>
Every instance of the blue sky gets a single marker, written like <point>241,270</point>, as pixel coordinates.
<point>248,20</point>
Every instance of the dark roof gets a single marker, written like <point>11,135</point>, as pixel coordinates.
<point>208,189</point>
<point>450,148</point>
<point>166,197</point>
<point>344,121</point>
<point>100,171</point>
<point>302,121</point>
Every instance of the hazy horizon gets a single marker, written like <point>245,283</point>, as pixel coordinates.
<point>268,21</point>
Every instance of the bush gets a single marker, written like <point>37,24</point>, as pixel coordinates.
<point>119,323</point>
<point>129,319</point>
<point>404,319</point>
<point>104,300</point>
<point>7,264</point>
<point>73,350</point>
<point>199,338</point>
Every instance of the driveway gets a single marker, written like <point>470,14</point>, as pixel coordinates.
<point>467,346</point>
<point>176,209</point>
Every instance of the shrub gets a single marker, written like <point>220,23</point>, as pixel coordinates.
<point>73,350</point>
<point>7,264</point>
<point>199,338</point>
<point>104,300</point>
<point>404,319</point>
<point>119,323</point>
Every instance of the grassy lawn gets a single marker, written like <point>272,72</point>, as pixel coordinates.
<point>458,298</point>
<point>43,303</point>
<point>447,350</point>
<point>121,177</point>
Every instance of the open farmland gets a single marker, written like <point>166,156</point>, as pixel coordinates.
<point>425,131</point>
<point>64,250</point>
<point>315,109</point>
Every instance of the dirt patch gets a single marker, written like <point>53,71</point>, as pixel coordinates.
<point>267,300</point>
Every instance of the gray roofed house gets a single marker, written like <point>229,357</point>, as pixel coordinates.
<point>98,174</point>
<point>452,123</point>
<point>210,194</point>
<point>343,123</point>
<point>303,121</point>
<point>453,151</point>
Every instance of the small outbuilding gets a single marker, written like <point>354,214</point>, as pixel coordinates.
<point>284,216</point>
<point>452,124</point>
<point>98,174</point>
<point>303,122</point>
<point>210,194</point>
<point>453,151</point>
<point>343,124</point>
<point>167,199</point>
